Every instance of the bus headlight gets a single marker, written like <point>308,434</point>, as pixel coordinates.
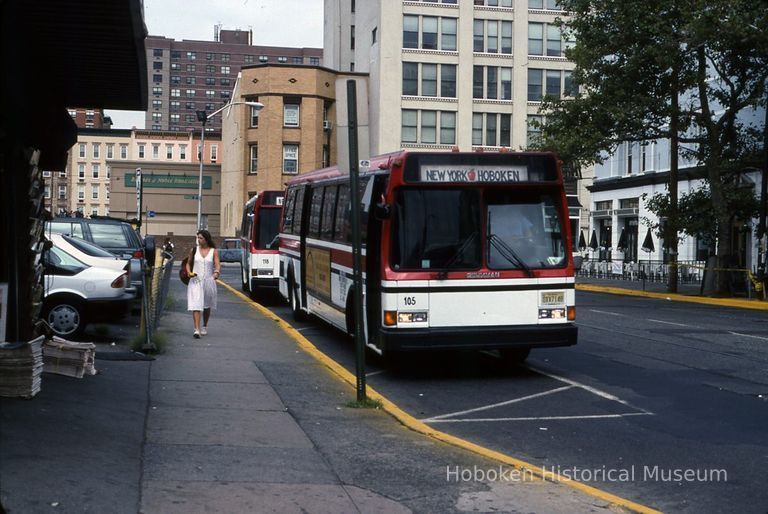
<point>412,317</point>
<point>264,272</point>
<point>558,313</point>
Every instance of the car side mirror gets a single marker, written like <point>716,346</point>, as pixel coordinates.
<point>578,260</point>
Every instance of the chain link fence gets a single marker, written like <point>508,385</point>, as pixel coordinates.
<point>157,283</point>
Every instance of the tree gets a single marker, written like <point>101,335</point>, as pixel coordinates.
<point>679,69</point>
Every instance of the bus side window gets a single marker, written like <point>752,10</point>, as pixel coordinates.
<point>298,210</point>
<point>288,212</point>
<point>329,206</point>
<point>315,208</point>
<point>341,222</point>
<point>365,202</point>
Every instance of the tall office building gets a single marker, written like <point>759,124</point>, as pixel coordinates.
<point>450,73</point>
<point>444,74</point>
<point>188,76</point>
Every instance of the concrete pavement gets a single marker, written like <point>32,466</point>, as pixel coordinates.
<point>242,420</point>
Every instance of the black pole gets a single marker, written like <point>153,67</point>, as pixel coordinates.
<point>357,272</point>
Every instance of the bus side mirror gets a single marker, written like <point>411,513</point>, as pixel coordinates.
<point>577,262</point>
<point>382,211</point>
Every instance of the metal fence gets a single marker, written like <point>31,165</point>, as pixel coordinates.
<point>157,282</point>
<point>689,272</point>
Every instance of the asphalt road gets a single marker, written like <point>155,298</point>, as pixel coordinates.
<point>662,403</point>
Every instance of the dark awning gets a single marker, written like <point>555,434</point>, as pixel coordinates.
<point>69,53</point>
<point>573,201</point>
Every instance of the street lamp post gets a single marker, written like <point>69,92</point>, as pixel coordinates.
<point>203,117</point>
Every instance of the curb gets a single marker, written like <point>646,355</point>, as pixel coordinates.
<point>721,302</point>
<point>422,428</point>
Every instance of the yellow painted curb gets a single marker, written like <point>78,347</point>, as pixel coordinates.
<point>422,428</point>
<point>722,302</point>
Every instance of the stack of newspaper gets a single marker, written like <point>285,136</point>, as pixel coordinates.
<point>20,368</point>
<point>69,358</point>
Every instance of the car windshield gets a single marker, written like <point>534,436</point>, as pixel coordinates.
<point>523,232</point>
<point>87,247</point>
<point>436,229</point>
<point>109,235</point>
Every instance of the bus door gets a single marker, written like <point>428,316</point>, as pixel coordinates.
<point>303,199</point>
<point>373,259</point>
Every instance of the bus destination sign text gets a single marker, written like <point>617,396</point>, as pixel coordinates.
<point>470,174</point>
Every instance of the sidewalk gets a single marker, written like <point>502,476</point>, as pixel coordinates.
<point>242,420</point>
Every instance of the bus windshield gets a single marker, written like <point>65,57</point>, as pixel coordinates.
<point>440,229</point>
<point>436,229</point>
<point>523,231</point>
<point>268,227</point>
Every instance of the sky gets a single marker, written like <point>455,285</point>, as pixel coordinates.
<point>296,23</point>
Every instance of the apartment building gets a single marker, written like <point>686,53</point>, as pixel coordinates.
<point>186,76</point>
<point>295,131</point>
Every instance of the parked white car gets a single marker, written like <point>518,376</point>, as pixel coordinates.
<point>77,294</point>
<point>92,254</point>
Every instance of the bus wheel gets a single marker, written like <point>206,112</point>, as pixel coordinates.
<point>514,356</point>
<point>243,279</point>
<point>293,294</point>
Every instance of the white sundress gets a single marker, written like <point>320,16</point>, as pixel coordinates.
<point>201,291</point>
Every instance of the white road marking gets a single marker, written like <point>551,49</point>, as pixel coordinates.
<point>606,312</point>
<point>500,404</point>
<point>592,390</point>
<point>374,373</point>
<point>540,418</point>
<point>747,335</point>
<point>668,322</point>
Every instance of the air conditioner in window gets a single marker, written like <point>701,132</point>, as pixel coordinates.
<point>327,125</point>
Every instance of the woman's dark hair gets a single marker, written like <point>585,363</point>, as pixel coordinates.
<point>207,236</point>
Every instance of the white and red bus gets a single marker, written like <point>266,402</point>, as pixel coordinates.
<point>258,241</point>
<point>460,250</point>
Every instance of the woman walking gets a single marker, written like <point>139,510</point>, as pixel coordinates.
<point>201,291</point>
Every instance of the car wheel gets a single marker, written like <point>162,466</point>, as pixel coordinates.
<point>66,317</point>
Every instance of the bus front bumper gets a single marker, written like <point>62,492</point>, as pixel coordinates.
<point>264,283</point>
<point>478,338</point>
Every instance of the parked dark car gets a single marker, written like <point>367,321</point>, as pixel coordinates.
<point>114,235</point>
<point>230,251</point>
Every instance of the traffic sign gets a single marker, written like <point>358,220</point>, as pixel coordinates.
<point>151,214</point>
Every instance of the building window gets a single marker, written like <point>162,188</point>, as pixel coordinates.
<point>81,171</point>
<point>225,57</point>
<point>157,52</point>
<point>429,33</point>
<point>190,93</point>
<point>169,152</point>
<point>410,31</point>
<point>477,82</point>
<point>290,159</point>
<point>254,116</point>
<point>155,151</point>
<point>175,80</point>
<point>448,34</point>
<point>506,84</point>
<point>175,118</point>
<point>291,115</point>
<point>96,150</point>
<point>94,211</point>
<point>175,92</point>
<point>183,152</point>
<point>248,59</point>
<point>109,171</point>
<point>191,81</point>
<point>533,130</point>
<point>226,82</point>
<point>552,5</point>
<point>447,128</point>
<point>157,78</point>
<point>210,93</point>
<point>410,78</point>
<point>536,44</point>
<point>214,153</point>
<point>254,152</point>
<point>225,70</point>
<point>352,37</point>
<point>157,104</point>
<point>82,150</point>
<point>410,126</point>
<point>428,127</point>
<point>191,68</point>
<point>282,59</point>
<point>95,192</point>
<point>175,66</point>
<point>373,35</point>
<point>157,65</point>
<point>123,151</point>
<point>157,117</point>
<point>191,56</point>
<point>535,86</point>
<point>263,58</point>
<point>314,61</point>
<point>62,192</point>
<point>81,192</point>
<point>429,79</point>
<point>47,191</point>
<point>95,171</point>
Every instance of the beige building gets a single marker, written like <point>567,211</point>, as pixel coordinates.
<point>94,188</point>
<point>295,132</point>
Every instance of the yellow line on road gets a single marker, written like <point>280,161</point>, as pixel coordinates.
<point>422,428</point>
<point>722,302</point>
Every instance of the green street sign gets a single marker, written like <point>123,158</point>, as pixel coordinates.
<point>168,181</point>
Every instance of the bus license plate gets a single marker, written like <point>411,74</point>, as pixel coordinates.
<point>556,298</point>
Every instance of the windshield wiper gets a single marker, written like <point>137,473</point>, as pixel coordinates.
<point>443,273</point>
<point>508,253</point>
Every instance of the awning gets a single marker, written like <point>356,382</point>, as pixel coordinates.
<point>573,201</point>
